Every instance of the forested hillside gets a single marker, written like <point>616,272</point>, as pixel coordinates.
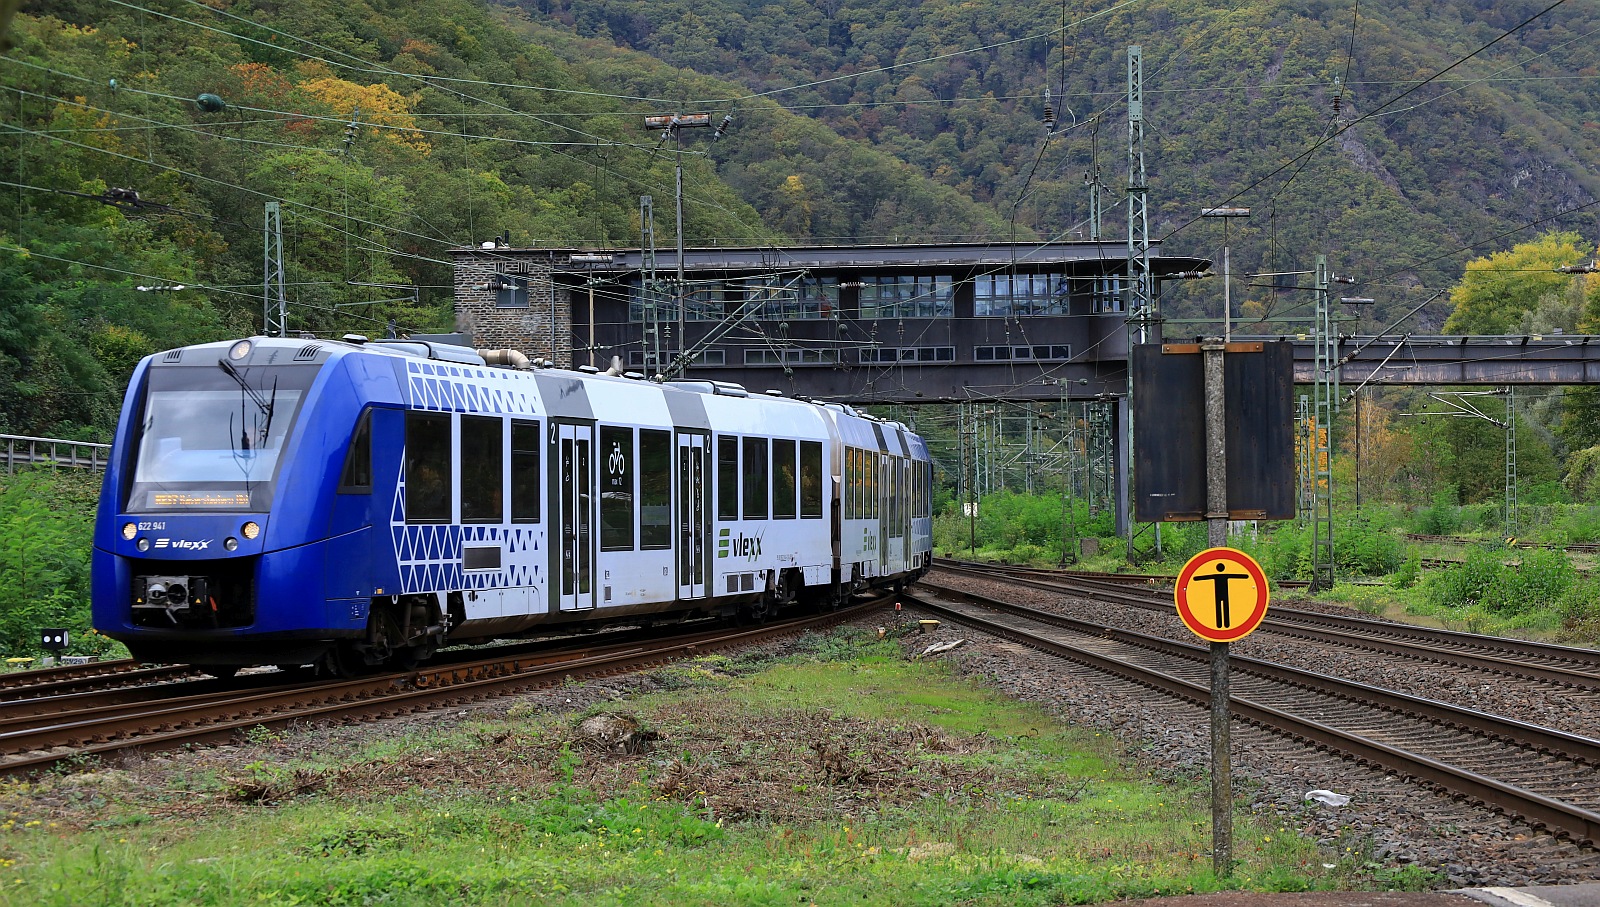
<point>390,132</point>
<point>1234,93</point>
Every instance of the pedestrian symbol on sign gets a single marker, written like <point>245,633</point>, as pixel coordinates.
<point>1221,594</point>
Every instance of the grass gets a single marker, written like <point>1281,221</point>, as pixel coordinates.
<point>842,774</point>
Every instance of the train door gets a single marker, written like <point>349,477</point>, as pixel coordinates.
<point>574,515</point>
<point>694,516</point>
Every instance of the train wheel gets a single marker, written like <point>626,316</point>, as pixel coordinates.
<point>410,657</point>
<point>755,613</point>
<point>341,660</point>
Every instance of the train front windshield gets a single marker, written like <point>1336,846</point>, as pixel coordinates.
<point>212,437</point>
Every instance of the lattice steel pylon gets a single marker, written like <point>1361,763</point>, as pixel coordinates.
<point>1305,433</point>
<point>1139,298</point>
<point>649,290</point>
<point>274,298</point>
<point>1325,405</point>
<point>1511,461</point>
<point>1101,477</point>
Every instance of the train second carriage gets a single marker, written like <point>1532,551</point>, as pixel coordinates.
<point>351,503</point>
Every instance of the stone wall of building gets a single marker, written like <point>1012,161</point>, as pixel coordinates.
<point>523,328</point>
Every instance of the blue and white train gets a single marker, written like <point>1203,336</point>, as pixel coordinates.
<point>352,503</point>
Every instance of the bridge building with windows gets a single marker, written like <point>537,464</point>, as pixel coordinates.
<point>866,324</point>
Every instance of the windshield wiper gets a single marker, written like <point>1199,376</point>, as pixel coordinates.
<point>261,402</point>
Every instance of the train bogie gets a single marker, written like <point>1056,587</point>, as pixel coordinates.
<point>276,501</point>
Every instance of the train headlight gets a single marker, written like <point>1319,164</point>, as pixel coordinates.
<point>129,530</point>
<point>239,350</point>
<point>250,530</point>
<point>144,545</point>
<point>230,543</point>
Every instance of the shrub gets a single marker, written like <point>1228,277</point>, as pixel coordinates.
<point>1442,517</point>
<point>46,519</point>
<point>1410,571</point>
<point>1367,548</point>
<point>1581,526</point>
<point>1478,580</point>
<point>1542,581</point>
<point>1579,610</point>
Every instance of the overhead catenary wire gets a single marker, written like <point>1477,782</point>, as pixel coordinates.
<point>1366,116</point>
<point>712,203</point>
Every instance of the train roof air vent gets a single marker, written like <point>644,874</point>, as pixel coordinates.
<point>307,352</point>
<point>173,356</point>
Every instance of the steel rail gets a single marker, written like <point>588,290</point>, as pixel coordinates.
<point>1574,667</point>
<point>382,696</point>
<point>72,715</point>
<point>73,699</point>
<point>1560,818</point>
<point>1546,740</point>
<point>49,681</point>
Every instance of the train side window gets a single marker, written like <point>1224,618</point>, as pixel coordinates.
<point>875,484</point>
<point>655,489</point>
<point>847,492</point>
<point>616,489</point>
<point>783,480</point>
<point>727,477</point>
<point>483,442</point>
<point>920,491</point>
<point>902,497</point>
<point>811,480</point>
<point>755,478</point>
<point>858,486</point>
<point>888,493</point>
<point>427,467</point>
<point>894,495</point>
<point>525,476</point>
<point>856,497</point>
<point>357,475</point>
<point>853,483</point>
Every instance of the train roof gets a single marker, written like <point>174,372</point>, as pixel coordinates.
<point>261,350</point>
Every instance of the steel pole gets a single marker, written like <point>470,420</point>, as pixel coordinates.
<point>683,342</point>
<point>1227,298</point>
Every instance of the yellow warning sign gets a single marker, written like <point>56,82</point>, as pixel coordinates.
<point>1221,594</point>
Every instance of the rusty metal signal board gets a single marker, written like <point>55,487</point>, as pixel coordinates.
<point>1169,431</point>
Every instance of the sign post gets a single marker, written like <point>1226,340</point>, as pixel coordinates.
<point>1211,352</point>
<point>1222,596</point>
<point>1224,408</point>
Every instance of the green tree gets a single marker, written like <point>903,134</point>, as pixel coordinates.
<point>1498,290</point>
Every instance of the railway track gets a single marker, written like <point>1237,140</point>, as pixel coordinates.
<point>1572,667</point>
<point>1544,777</point>
<point>39,732</point>
<point>1578,548</point>
<point>122,672</point>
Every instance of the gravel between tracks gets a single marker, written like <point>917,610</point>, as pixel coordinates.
<point>1389,820</point>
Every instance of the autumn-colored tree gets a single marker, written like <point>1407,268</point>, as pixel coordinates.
<point>1381,452</point>
<point>377,107</point>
